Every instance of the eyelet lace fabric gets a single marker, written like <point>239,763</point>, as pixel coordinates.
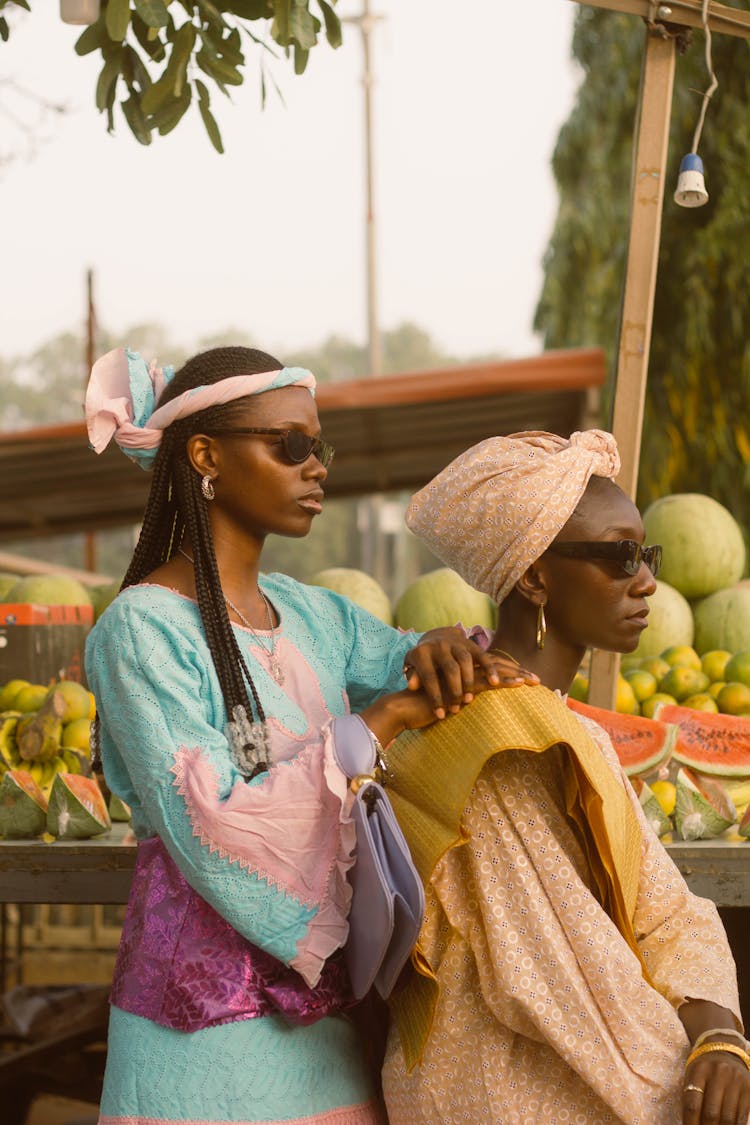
<point>230,968</point>
<point>544,1014</point>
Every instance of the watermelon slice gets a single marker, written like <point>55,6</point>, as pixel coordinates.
<point>711,743</point>
<point>641,744</point>
<point>703,808</point>
<point>651,806</point>
<point>118,810</point>
<point>744,826</point>
<point>77,809</point>
<point>23,806</point>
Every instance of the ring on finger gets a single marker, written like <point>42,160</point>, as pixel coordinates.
<point>690,1087</point>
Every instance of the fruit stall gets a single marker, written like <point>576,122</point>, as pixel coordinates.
<point>681,722</point>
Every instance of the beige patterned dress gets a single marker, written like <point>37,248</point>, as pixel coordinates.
<point>544,1014</point>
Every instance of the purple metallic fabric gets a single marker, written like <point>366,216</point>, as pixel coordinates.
<point>182,965</point>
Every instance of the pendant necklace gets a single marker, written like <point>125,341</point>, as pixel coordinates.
<point>277,670</point>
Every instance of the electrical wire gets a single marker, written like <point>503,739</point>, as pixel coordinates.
<point>714,81</point>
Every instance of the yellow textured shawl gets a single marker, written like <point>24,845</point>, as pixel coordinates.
<point>431,774</point>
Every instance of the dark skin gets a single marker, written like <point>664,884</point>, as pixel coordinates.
<point>258,492</point>
<point>595,603</point>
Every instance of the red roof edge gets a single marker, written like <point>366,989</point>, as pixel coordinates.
<point>570,369</point>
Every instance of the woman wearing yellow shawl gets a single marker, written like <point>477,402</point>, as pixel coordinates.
<point>565,973</point>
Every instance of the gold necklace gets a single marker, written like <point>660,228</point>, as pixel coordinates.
<point>502,652</point>
<point>277,670</point>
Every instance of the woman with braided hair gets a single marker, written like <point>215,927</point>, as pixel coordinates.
<point>225,698</point>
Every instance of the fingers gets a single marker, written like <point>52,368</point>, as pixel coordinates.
<point>443,669</point>
<point>451,670</point>
<point>502,671</point>
<point>692,1102</point>
<point>716,1093</point>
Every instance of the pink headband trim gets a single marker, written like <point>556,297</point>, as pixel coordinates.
<point>119,406</point>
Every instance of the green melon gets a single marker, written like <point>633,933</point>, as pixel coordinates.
<point>722,620</point>
<point>77,809</point>
<point>703,808</point>
<point>102,596</point>
<point>703,548</point>
<point>357,586</point>
<point>440,598</point>
<point>670,622</point>
<point>23,806</point>
<point>47,589</point>
<point>6,581</point>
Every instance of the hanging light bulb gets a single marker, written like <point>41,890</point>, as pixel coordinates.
<point>79,11</point>
<point>691,188</point>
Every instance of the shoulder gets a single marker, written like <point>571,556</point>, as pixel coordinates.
<point>145,609</point>
<point>316,601</point>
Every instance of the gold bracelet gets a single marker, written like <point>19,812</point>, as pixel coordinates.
<point>730,1031</point>
<point>727,1048</point>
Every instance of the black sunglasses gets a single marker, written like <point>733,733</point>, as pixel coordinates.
<point>625,552</point>
<point>296,445</point>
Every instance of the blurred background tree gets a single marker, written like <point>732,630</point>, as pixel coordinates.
<point>696,435</point>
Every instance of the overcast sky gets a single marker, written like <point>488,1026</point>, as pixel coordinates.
<point>468,101</point>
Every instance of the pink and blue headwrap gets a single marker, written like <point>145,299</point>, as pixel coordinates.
<point>123,392</point>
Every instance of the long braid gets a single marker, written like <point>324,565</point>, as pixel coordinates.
<point>175,505</point>
<point>228,659</point>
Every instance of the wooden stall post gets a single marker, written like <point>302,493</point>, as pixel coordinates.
<point>638,301</point>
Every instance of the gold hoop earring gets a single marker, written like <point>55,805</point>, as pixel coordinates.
<point>541,626</point>
<point>207,488</point>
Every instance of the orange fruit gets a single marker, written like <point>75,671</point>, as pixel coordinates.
<point>682,680</point>
<point>649,707</point>
<point>734,699</point>
<point>714,662</point>
<point>643,683</point>
<point>682,655</point>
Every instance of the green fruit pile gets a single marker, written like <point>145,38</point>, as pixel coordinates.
<point>45,730</point>
<point>717,681</point>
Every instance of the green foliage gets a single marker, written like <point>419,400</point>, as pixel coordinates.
<point>4,4</point>
<point>696,435</point>
<point>155,51</point>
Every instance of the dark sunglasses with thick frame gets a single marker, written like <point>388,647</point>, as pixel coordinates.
<point>625,552</point>
<point>297,446</point>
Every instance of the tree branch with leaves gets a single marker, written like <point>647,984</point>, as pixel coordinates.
<point>161,56</point>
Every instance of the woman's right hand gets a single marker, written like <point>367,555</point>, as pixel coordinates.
<point>410,710</point>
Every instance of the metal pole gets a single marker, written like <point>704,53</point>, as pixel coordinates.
<point>89,543</point>
<point>372,550</point>
<point>367,24</point>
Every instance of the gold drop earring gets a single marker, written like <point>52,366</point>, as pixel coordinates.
<point>541,626</point>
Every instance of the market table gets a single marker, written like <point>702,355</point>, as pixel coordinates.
<point>100,870</point>
<point>72,871</point>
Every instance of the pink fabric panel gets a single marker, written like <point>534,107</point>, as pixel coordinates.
<point>285,830</point>
<point>365,1114</point>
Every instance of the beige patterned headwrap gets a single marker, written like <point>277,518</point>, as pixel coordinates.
<point>496,508</point>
